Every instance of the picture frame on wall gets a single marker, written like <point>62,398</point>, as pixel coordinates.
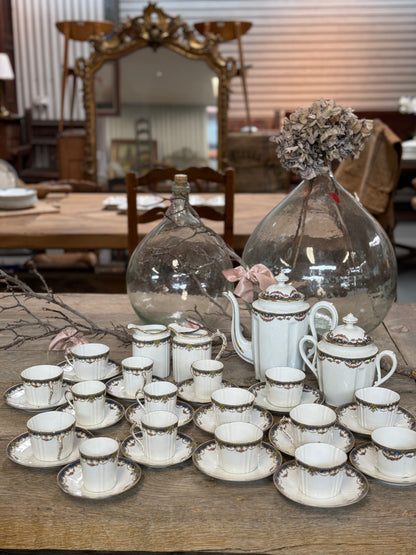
<point>106,89</point>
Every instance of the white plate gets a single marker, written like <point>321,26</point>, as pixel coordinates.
<point>280,437</point>
<point>185,446</point>
<point>113,413</point>
<point>183,411</point>
<point>20,451</point>
<point>347,416</point>
<point>354,487</point>
<point>70,480</point>
<point>16,397</point>
<point>186,391</point>
<point>363,457</point>
<point>113,369</point>
<point>309,395</point>
<point>204,418</point>
<point>144,202</point>
<point>17,198</point>
<point>217,201</point>
<point>205,459</point>
<point>115,387</point>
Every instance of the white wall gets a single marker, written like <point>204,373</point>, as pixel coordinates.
<point>362,53</point>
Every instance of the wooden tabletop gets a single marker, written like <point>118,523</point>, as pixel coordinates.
<point>180,509</point>
<point>81,222</point>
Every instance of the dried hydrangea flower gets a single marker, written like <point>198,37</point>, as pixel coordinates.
<point>314,137</point>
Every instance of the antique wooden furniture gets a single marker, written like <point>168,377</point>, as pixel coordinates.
<point>10,136</point>
<point>165,56</point>
<point>231,30</point>
<point>225,179</point>
<point>82,31</point>
<point>178,508</point>
<point>78,221</point>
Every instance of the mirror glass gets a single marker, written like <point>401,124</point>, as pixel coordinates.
<point>165,114</point>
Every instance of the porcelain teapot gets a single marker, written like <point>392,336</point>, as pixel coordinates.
<point>280,317</point>
<point>345,360</point>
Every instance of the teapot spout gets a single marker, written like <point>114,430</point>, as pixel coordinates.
<point>242,346</point>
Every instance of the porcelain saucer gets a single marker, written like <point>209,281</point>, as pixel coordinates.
<point>115,388</point>
<point>15,397</point>
<point>280,437</point>
<point>363,457</point>
<point>113,369</point>
<point>70,480</point>
<point>309,395</point>
<point>204,418</point>
<point>186,391</point>
<point>185,446</point>
<point>113,413</point>
<point>354,487</point>
<point>20,451</point>
<point>205,459</point>
<point>183,411</point>
<point>347,416</point>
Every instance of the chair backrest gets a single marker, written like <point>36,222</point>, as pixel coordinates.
<point>374,176</point>
<point>225,180</point>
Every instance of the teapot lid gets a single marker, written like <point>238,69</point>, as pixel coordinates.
<point>281,291</point>
<point>348,334</point>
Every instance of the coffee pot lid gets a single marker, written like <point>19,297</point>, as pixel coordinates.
<point>281,291</point>
<point>348,334</point>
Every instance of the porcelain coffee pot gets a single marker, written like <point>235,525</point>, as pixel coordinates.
<point>280,317</point>
<point>346,359</point>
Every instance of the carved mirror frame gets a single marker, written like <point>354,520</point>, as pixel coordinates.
<point>153,29</point>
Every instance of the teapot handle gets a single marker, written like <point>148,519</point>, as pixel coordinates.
<point>393,359</point>
<point>223,338</point>
<point>304,354</point>
<point>323,305</point>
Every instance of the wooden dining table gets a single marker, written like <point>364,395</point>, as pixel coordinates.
<point>180,509</point>
<point>80,221</point>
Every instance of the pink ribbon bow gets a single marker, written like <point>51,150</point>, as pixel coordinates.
<point>66,339</point>
<point>246,277</point>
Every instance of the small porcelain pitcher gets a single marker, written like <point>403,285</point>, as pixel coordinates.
<point>189,345</point>
<point>345,360</point>
<point>152,341</point>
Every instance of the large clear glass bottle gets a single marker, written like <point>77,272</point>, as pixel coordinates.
<point>175,273</point>
<point>331,248</point>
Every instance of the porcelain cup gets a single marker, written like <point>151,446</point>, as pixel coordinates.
<point>376,407</point>
<point>88,401</point>
<point>52,435</point>
<point>99,461</point>
<point>309,423</point>
<point>158,438</point>
<point>137,372</point>
<point>153,341</point>
<point>189,345</point>
<point>320,469</point>
<point>159,396</point>
<point>207,376</point>
<point>238,446</point>
<point>284,386</point>
<point>232,404</point>
<point>89,360</point>
<point>395,451</point>
<point>42,385</point>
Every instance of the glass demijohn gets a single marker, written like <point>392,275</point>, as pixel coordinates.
<point>175,273</point>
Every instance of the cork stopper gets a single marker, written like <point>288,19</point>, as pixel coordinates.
<point>180,186</point>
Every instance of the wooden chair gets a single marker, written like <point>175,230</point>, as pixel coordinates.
<point>225,180</point>
<point>81,31</point>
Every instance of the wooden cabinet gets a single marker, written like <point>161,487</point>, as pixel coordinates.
<point>71,153</point>
<point>10,135</point>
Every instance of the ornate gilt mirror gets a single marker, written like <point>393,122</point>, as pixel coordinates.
<point>154,94</point>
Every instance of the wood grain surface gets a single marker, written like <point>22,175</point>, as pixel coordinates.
<point>179,509</point>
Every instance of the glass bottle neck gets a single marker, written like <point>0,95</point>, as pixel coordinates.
<point>180,210</point>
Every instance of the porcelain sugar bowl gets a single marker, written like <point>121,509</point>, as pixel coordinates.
<point>279,317</point>
<point>345,359</point>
